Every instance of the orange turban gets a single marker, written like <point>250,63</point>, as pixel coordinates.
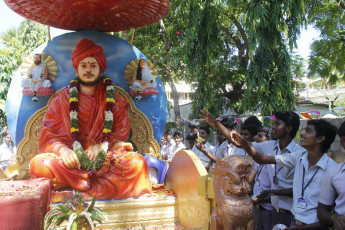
<point>86,48</point>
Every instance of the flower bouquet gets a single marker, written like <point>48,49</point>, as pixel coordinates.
<point>78,213</point>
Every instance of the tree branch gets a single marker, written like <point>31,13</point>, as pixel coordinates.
<point>341,4</point>
<point>241,30</point>
<point>233,36</point>
<point>167,75</point>
<point>164,34</point>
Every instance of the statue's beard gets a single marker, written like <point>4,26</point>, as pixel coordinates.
<point>37,62</point>
<point>92,83</point>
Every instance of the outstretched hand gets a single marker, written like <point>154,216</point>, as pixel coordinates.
<point>201,147</point>
<point>262,196</point>
<point>205,114</point>
<point>236,139</point>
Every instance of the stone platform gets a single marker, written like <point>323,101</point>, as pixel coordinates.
<point>156,212</point>
<point>144,212</point>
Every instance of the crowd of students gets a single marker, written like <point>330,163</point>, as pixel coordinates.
<point>297,185</point>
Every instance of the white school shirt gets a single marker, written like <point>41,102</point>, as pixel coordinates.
<point>168,149</point>
<point>311,182</point>
<point>284,174</point>
<point>206,161</point>
<point>178,148</point>
<point>262,182</point>
<point>333,189</point>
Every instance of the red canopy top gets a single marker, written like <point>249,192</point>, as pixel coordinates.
<point>101,15</point>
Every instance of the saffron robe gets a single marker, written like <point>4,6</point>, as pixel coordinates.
<point>123,174</point>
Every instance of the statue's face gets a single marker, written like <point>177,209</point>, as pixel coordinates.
<point>142,64</point>
<point>88,71</point>
<point>37,59</point>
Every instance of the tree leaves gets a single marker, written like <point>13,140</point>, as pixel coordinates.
<point>327,57</point>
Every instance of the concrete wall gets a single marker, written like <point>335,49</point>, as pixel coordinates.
<point>336,151</point>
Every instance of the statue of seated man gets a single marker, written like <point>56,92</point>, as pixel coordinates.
<point>37,82</point>
<point>142,82</point>
<point>82,131</point>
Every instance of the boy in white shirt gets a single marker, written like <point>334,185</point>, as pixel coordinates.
<point>178,138</point>
<point>204,133</point>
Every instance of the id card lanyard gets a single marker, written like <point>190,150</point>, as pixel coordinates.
<point>275,177</point>
<point>257,182</point>
<point>301,202</point>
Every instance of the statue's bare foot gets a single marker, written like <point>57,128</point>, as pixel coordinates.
<point>145,195</point>
<point>58,185</point>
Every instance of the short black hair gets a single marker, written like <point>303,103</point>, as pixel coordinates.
<point>194,124</point>
<point>229,122</point>
<point>253,129</point>
<point>5,134</point>
<point>341,130</point>
<point>167,132</point>
<point>177,134</point>
<point>326,129</point>
<point>267,130</point>
<point>206,128</point>
<point>192,137</point>
<point>253,120</point>
<point>290,119</point>
<point>38,55</point>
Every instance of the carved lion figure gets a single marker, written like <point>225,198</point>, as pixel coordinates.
<point>233,177</point>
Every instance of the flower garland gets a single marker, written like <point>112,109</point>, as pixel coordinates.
<point>85,162</point>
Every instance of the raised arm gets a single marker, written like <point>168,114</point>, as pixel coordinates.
<point>257,156</point>
<point>213,122</point>
<point>201,148</point>
<point>237,139</point>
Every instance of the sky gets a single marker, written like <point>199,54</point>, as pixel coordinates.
<point>9,19</point>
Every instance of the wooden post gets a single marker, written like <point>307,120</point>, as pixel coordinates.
<point>49,37</point>
<point>132,38</point>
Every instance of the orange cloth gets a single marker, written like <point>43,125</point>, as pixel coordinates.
<point>86,48</point>
<point>127,178</point>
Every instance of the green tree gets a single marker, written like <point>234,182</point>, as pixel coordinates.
<point>18,43</point>
<point>221,38</point>
<point>273,28</point>
<point>208,43</point>
<point>162,43</point>
<point>217,53</point>
<point>327,58</point>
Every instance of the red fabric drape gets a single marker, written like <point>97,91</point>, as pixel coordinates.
<point>115,180</point>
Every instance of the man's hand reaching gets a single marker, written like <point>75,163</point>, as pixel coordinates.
<point>201,147</point>
<point>208,117</point>
<point>236,139</point>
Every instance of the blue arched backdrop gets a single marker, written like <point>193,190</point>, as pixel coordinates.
<point>118,52</point>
